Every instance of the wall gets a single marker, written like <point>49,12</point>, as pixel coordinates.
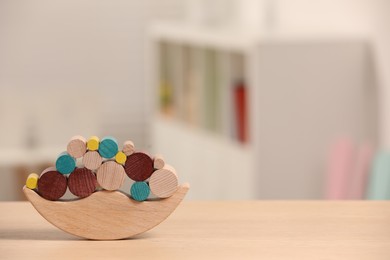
<point>73,67</point>
<point>366,18</point>
<point>89,48</point>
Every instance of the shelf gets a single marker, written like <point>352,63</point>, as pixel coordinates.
<point>202,133</point>
<point>205,160</point>
<point>234,39</point>
<point>226,39</point>
<point>204,87</point>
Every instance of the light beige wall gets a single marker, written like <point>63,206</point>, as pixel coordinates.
<point>367,18</point>
<point>94,49</point>
<point>382,45</point>
<point>61,60</point>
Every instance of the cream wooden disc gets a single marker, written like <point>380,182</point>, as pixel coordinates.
<point>158,162</point>
<point>77,146</point>
<point>92,160</point>
<point>164,182</point>
<point>128,148</point>
<point>110,175</point>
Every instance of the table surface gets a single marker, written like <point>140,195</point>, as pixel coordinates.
<point>217,230</point>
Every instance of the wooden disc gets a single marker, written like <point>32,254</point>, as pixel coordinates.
<point>52,184</point>
<point>32,181</point>
<point>128,148</point>
<point>93,143</point>
<point>108,147</point>
<point>82,182</point>
<point>65,163</point>
<point>164,182</point>
<point>139,166</point>
<point>140,191</point>
<point>158,162</point>
<point>120,157</point>
<point>110,175</point>
<point>92,160</point>
<point>77,146</point>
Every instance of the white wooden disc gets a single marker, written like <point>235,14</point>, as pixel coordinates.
<point>77,146</point>
<point>164,182</point>
<point>92,160</point>
<point>111,175</point>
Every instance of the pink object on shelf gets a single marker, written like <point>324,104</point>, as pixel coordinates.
<point>360,171</point>
<point>339,170</point>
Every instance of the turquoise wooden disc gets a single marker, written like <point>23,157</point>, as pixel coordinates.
<point>140,191</point>
<point>65,163</point>
<point>108,147</point>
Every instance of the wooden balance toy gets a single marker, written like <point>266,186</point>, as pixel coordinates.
<point>102,211</point>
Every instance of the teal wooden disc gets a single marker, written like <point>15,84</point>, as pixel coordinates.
<point>140,191</point>
<point>108,147</point>
<point>65,163</point>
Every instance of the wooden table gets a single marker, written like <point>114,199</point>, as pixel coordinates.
<point>217,230</point>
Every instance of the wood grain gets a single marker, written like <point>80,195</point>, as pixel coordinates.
<point>92,160</point>
<point>228,230</point>
<point>32,181</point>
<point>77,146</point>
<point>52,185</point>
<point>93,143</point>
<point>110,175</point>
<point>128,148</point>
<point>139,166</point>
<point>139,191</point>
<point>65,163</point>
<point>108,147</point>
<point>158,162</point>
<point>82,182</point>
<point>163,183</point>
<point>106,215</point>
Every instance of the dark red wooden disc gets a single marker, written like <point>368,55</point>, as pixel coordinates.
<point>139,166</point>
<point>82,182</point>
<point>52,184</point>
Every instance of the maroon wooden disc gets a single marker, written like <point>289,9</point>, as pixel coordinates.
<point>139,166</point>
<point>82,182</point>
<point>52,184</point>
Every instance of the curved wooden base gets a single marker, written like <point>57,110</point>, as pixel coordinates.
<point>106,215</point>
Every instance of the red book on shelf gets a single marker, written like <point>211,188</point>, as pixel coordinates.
<point>241,114</point>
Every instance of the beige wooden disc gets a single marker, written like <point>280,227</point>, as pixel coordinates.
<point>163,182</point>
<point>110,175</point>
<point>128,148</point>
<point>158,162</point>
<point>92,160</point>
<point>77,146</point>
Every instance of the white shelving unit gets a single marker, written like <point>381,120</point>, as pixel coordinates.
<point>301,93</point>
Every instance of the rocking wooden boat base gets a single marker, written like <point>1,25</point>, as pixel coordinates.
<point>106,215</point>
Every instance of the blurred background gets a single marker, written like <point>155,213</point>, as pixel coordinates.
<point>252,99</point>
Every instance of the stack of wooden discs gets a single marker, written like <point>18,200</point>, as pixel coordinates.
<point>103,165</point>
